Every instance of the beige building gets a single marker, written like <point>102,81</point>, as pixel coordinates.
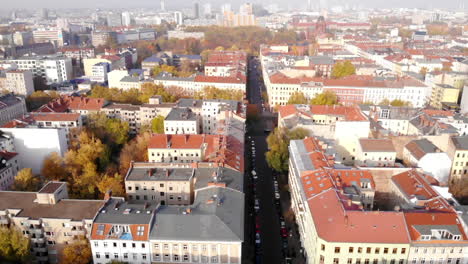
<point>458,153</point>
<point>375,153</point>
<point>19,82</point>
<point>9,167</point>
<point>444,93</point>
<point>11,107</point>
<point>48,218</point>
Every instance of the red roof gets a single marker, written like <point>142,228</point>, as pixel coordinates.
<point>351,113</point>
<point>65,103</point>
<point>7,155</point>
<point>414,219</point>
<point>287,110</point>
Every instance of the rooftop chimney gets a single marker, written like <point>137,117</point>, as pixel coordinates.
<point>108,195</point>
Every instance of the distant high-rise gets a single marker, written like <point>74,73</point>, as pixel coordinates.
<point>44,13</point>
<point>163,6</point>
<point>179,18</point>
<point>126,19</point>
<point>114,20</point>
<point>13,15</point>
<point>207,9</point>
<point>196,10</point>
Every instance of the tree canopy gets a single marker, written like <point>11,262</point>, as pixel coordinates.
<point>172,70</point>
<point>211,92</point>
<point>14,247</point>
<point>325,98</point>
<point>78,252</point>
<point>343,69</point>
<point>135,150</point>
<point>277,156</point>
<point>25,180</point>
<point>134,96</point>
<point>39,98</point>
<point>396,102</point>
<point>297,98</point>
<point>157,125</point>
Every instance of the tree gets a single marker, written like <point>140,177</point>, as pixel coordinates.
<point>14,247</point>
<point>39,98</point>
<point>53,167</point>
<point>325,98</point>
<point>79,252</point>
<point>297,98</point>
<point>343,69</point>
<point>135,150</point>
<point>423,71</point>
<point>277,156</point>
<point>26,181</point>
<point>109,130</point>
<point>157,125</point>
<point>398,102</point>
<point>211,92</point>
<point>114,183</point>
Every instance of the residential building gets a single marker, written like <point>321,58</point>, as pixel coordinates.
<point>99,72</point>
<point>48,218</point>
<point>443,94</point>
<point>394,120</point>
<point>74,104</point>
<point>54,36</point>
<point>221,149</point>
<point>458,153</point>
<point>51,69</point>
<point>331,208</point>
<point>423,154</point>
<point>19,82</point>
<point>182,121</point>
<point>22,38</point>
<point>120,232</point>
<point>100,38</point>
<point>11,107</point>
<point>375,153</point>
<point>9,167</point>
<point>77,53</point>
<point>115,62</point>
<point>344,124</point>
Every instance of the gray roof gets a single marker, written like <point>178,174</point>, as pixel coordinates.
<point>181,114</point>
<point>130,79</point>
<point>426,146</point>
<point>164,76</point>
<point>321,60</point>
<point>427,229</point>
<point>216,215</point>
<point>160,174</point>
<point>127,107</point>
<point>135,213</point>
<point>460,142</point>
<point>9,100</point>
<point>153,58</point>
<point>191,103</point>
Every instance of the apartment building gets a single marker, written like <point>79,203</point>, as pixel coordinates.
<point>11,107</point>
<point>48,218</point>
<point>77,53</point>
<point>443,94</point>
<point>395,120</point>
<point>120,232</point>
<point>220,149</point>
<point>338,226</point>
<point>99,72</point>
<point>115,62</point>
<point>9,167</point>
<point>74,104</point>
<point>423,154</point>
<point>54,36</point>
<point>458,153</point>
<point>19,82</point>
<point>52,69</point>
<point>344,124</point>
<point>182,121</point>
<point>375,153</point>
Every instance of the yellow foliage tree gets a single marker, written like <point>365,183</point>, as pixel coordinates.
<point>79,252</point>
<point>26,181</point>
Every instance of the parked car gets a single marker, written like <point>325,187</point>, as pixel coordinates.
<point>277,195</point>
<point>254,174</point>
<point>257,239</point>
<point>284,232</point>
<point>257,205</point>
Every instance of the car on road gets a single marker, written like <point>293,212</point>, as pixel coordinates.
<point>254,174</point>
<point>284,232</point>
<point>257,239</point>
<point>277,195</point>
<point>257,205</point>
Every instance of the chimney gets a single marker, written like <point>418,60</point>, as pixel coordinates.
<point>167,173</point>
<point>349,202</point>
<point>145,206</point>
<point>108,195</point>
<point>189,210</point>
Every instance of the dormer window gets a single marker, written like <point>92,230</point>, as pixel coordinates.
<point>140,230</point>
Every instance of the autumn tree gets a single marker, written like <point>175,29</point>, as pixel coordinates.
<point>157,125</point>
<point>297,98</point>
<point>395,102</point>
<point>211,92</point>
<point>135,150</point>
<point>14,246</point>
<point>53,168</point>
<point>278,141</point>
<point>109,130</point>
<point>25,180</point>
<point>39,98</point>
<point>78,252</point>
<point>423,71</point>
<point>343,69</point>
<point>114,183</point>
<point>325,98</point>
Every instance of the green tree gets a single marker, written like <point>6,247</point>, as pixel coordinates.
<point>211,92</point>
<point>297,98</point>
<point>325,98</point>
<point>79,252</point>
<point>14,247</point>
<point>157,125</point>
<point>398,102</point>
<point>109,130</point>
<point>343,69</point>
<point>277,156</point>
<point>26,181</point>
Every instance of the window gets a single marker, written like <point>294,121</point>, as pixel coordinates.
<point>134,255</point>
<point>359,249</point>
<point>368,250</point>
<point>366,261</point>
<point>133,245</point>
<point>377,250</point>
<point>350,261</point>
<point>395,250</point>
<point>125,255</point>
<point>124,245</point>
<point>98,255</point>
<point>116,255</point>
<point>403,250</point>
<point>114,244</point>
<point>336,261</point>
<point>176,257</point>
<point>322,247</point>
<point>376,261</point>
<point>96,244</point>
<point>322,259</point>
<point>143,256</point>
<point>423,261</point>
<point>385,250</point>
<point>186,258</point>
<point>337,249</point>
<point>106,255</point>
<point>185,247</point>
<point>143,245</point>
<point>105,244</point>
<point>166,246</point>
<point>351,249</point>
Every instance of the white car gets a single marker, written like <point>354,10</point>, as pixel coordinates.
<point>254,174</point>
<point>256,205</point>
<point>257,239</point>
<point>277,195</point>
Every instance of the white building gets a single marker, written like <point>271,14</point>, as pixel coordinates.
<point>9,167</point>
<point>126,19</point>
<point>34,144</point>
<point>375,153</point>
<point>11,107</point>
<point>19,82</point>
<point>54,36</point>
<point>99,72</point>
<point>115,76</point>
<point>182,121</point>
<point>51,69</point>
<point>424,154</point>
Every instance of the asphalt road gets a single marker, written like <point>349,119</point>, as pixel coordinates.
<point>270,249</point>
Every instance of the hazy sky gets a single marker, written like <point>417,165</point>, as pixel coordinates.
<point>178,3</point>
